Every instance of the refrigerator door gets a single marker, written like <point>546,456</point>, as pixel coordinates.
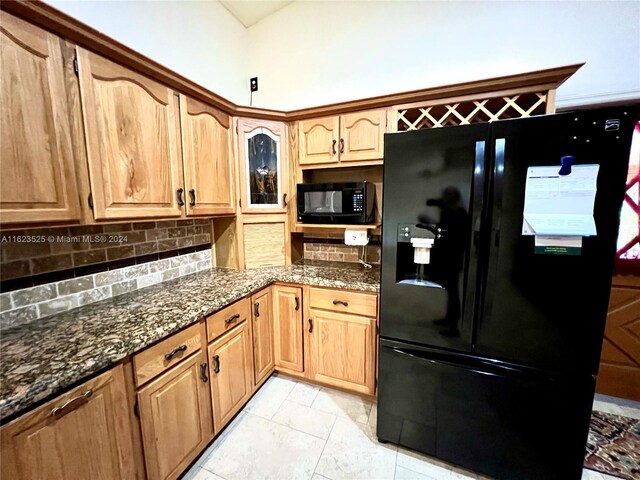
<point>433,191</point>
<point>503,422</point>
<point>549,310</point>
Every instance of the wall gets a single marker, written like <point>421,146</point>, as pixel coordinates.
<point>199,40</point>
<point>313,53</point>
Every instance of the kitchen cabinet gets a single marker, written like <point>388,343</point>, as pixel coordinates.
<point>265,240</point>
<point>38,181</point>
<point>351,137</point>
<point>176,418</point>
<point>287,328</point>
<point>131,128</point>
<point>84,433</point>
<point>208,167</point>
<point>231,372</point>
<point>263,166</point>
<point>262,334</point>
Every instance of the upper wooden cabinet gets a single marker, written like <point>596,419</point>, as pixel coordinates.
<point>262,334</point>
<point>38,182</point>
<point>352,137</point>
<point>131,128</point>
<point>264,172</point>
<point>208,166</point>
<point>287,328</point>
<point>319,138</point>
<point>85,433</point>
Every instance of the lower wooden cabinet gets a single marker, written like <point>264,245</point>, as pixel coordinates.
<point>175,414</point>
<point>262,325</point>
<point>231,367</point>
<point>287,328</point>
<point>342,350</point>
<point>83,434</point>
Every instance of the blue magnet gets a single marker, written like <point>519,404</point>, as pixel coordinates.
<point>566,162</point>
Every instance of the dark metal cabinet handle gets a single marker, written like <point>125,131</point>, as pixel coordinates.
<point>333,147</point>
<point>284,200</point>
<point>203,372</point>
<point>342,145</point>
<point>180,201</point>
<point>341,302</point>
<point>216,363</point>
<point>297,304</point>
<point>65,407</point>
<point>175,351</point>
<point>232,318</point>
<point>192,195</point>
<point>311,325</point>
<point>256,309</point>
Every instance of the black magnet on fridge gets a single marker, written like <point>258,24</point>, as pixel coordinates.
<point>566,161</point>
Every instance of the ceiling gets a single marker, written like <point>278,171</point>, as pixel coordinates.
<point>250,12</point>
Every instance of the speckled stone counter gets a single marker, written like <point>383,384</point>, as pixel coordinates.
<point>42,358</point>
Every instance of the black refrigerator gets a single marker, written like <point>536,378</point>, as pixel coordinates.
<point>489,352</point>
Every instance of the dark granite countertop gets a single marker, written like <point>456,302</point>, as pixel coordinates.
<point>45,356</point>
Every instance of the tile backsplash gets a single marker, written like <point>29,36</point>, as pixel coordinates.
<point>331,247</point>
<point>25,305</point>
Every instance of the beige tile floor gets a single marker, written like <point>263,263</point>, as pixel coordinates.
<point>295,430</point>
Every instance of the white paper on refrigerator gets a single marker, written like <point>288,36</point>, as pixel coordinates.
<point>557,204</point>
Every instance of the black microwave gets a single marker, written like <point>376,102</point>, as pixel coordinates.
<point>339,203</point>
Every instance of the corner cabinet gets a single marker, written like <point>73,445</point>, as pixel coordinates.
<point>208,167</point>
<point>38,181</point>
<point>263,166</point>
<point>262,334</point>
<point>85,433</point>
<point>352,137</point>
<point>131,128</point>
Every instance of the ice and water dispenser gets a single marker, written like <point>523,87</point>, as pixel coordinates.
<point>415,244</point>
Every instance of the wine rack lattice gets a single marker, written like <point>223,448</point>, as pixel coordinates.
<point>472,111</point>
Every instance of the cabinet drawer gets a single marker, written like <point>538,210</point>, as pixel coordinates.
<point>227,318</point>
<point>156,359</point>
<point>341,301</point>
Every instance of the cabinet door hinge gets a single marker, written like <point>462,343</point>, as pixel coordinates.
<point>90,200</point>
<point>75,66</point>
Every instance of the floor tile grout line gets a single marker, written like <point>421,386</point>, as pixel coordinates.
<point>324,448</point>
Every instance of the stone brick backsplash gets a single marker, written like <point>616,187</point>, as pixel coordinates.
<point>47,254</point>
<point>336,252</point>
<point>29,304</point>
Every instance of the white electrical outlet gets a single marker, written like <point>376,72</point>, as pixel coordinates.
<point>356,237</point>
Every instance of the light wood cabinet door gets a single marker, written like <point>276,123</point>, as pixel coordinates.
<point>231,367</point>
<point>342,350</point>
<point>319,140</point>
<point>287,328</point>
<point>263,165</point>
<point>131,127</point>
<point>175,414</point>
<point>362,136</point>
<point>38,182</point>
<point>265,240</point>
<point>83,434</point>
<point>208,166</point>
<point>262,316</point>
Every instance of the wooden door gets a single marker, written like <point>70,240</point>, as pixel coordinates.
<point>265,240</point>
<point>208,166</point>
<point>319,138</point>
<point>131,126</point>
<point>619,373</point>
<point>263,166</point>
<point>38,181</point>
<point>85,433</point>
<point>287,331</point>
<point>342,350</point>
<point>176,419</point>
<point>362,135</point>
<point>231,367</point>
<point>262,316</point>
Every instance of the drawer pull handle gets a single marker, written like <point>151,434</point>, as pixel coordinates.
<point>256,309</point>
<point>297,304</point>
<point>341,302</point>
<point>232,318</point>
<point>216,363</point>
<point>203,372</point>
<point>311,325</point>
<point>169,356</point>
<point>60,411</point>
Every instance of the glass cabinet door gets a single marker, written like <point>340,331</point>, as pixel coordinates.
<point>262,164</point>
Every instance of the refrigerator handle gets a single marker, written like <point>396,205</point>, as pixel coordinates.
<point>478,190</point>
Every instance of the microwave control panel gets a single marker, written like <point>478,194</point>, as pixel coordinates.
<point>358,201</point>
